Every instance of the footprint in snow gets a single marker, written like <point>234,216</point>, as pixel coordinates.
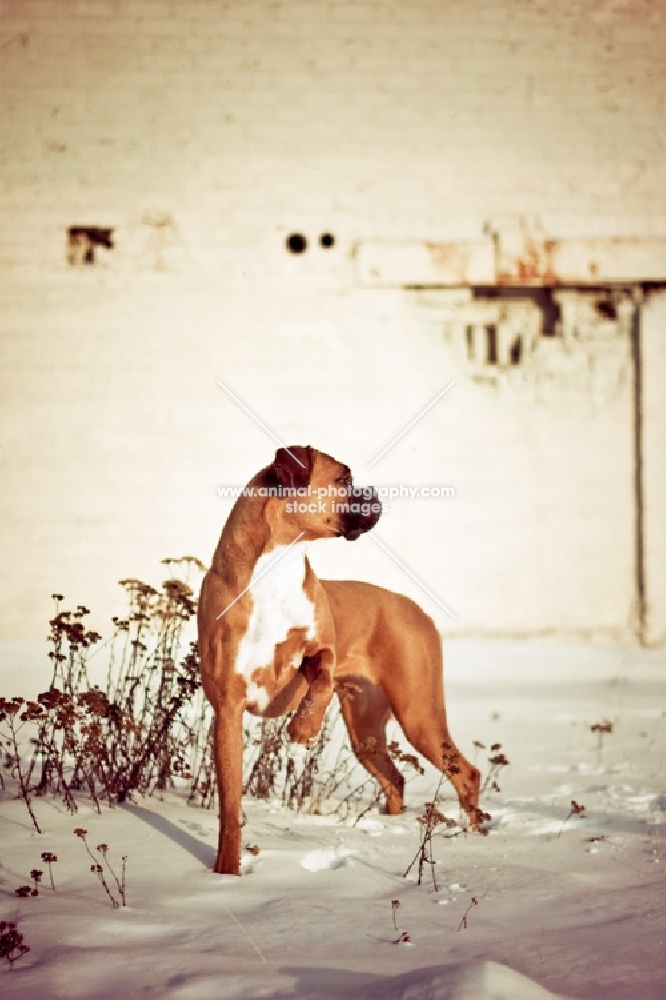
<point>330,857</point>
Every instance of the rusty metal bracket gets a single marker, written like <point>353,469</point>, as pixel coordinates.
<point>522,257</point>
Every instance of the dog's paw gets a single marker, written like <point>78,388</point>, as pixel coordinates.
<point>305,725</point>
<point>300,732</point>
<point>477,818</point>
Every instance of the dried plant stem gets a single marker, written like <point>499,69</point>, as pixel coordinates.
<point>576,810</point>
<point>497,761</point>
<point>430,820</point>
<point>463,922</point>
<point>475,900</point>
<point>8,713</point>
<point>103,849</point>
<point>98,869</point>
<point>99,872</point>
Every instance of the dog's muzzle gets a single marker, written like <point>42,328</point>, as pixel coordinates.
<point>361,517</point>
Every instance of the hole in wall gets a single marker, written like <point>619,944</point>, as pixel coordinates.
<point>491,344</point>
<point>516,351</point>
<point>296,243</point>
<point>543,298</point>
<point>327,240</point>
<point>84,241</point>
<point>469,337</point>
<point>606,308</point>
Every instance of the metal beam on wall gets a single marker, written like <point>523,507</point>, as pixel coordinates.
<point>524,258</point>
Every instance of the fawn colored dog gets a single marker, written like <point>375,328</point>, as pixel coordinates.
<point>274,639</point>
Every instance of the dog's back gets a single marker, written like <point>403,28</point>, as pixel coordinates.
<point>387,638</point>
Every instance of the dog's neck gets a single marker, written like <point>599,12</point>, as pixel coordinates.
<point>247,536</point>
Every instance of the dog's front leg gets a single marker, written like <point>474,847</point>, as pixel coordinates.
<point>228,734</point>
<point>309,716</point>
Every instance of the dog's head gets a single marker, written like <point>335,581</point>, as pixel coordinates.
<point>314,494</point>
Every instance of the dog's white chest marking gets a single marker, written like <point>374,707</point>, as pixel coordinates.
<point>279,603</point>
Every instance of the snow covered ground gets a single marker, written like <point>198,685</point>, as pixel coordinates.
<point>572,909</point>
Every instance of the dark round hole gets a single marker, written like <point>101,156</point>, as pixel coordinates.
<point>606,308</point>
<point>327,240</point>
<point>297,243</point>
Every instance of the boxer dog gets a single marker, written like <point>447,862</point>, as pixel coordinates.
<point>274,639</point>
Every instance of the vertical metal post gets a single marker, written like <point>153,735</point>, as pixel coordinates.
<point>640,604</point>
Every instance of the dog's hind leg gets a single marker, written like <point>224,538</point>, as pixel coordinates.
<point>413,682</point>
<point>428,733</point>
<point>366,710</point>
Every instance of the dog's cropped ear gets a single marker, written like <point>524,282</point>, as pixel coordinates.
<point>293,466</point>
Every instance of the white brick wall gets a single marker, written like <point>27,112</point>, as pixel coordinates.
<point>242,122</point>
